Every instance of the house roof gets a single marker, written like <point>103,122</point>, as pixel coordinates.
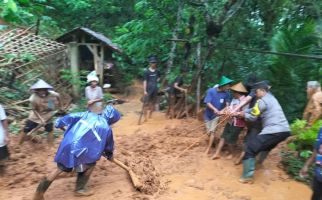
<point>68,37</point>
<point>18,46</point>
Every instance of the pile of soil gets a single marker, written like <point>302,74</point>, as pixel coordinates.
<point>27,164</point>
<point>147,173</point>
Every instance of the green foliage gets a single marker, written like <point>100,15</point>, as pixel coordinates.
<point>144,27</point>
<point>304,137</point>
<point>293,164</point>
<point>81,105</point>
<point>107,96</point>
<point>290,75</point>
<point>14,128</point>
<point>67,75</point>
<point>300,149</point>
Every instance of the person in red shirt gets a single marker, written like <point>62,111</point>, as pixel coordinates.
<point>236,124</point>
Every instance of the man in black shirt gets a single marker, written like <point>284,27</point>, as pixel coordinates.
<point>150,87</point>
<point>176,91</point>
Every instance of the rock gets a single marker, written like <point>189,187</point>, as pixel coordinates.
<point>194,184</point>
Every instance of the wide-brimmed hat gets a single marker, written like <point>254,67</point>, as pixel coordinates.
<point>224,81</point>
<point>239,87</point>
<point>41,84</point>
<point>152,59</point>
<point>261,85</point>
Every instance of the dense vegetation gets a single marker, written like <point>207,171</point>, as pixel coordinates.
<point>235,38</point>
<point>210,37</point>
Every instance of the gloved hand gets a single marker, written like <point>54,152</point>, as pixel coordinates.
<point>108,155</point>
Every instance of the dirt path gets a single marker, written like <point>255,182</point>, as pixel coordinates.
<point>150,149</point>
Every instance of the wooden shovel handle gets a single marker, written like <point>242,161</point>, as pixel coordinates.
<point>135,180</point>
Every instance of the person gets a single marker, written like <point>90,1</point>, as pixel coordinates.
<point>216,100</point>
<point>175,91</point>
<point>317,158</point>
<point>235,125</point>
<point>253,127</point>
<point>43,102</point>
<point>4,140</point>
<point>275,128</point>
<point>313,108</point>
<point>93,93</point>
<point>88,137</point>
<point>150,87</point>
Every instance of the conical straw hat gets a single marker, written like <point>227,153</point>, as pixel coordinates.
<point>41,84</point>
<point>239,87</point>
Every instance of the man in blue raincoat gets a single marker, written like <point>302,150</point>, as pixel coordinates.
<point>88,136</point>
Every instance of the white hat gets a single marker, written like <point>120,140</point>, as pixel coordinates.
<point>313,84</point>
<point>92,78</point>
<point>41,84</point>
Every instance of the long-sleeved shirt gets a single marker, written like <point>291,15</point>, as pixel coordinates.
<point>88,136</point>
<point>313,109</point>
<point>44,106</point>
<point>272,116</point>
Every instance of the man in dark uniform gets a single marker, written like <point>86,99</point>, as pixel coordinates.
<point>150,86</point>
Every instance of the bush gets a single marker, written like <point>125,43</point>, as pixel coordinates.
<point>292,164</point>
<point>300,149</point>
<point>304,137</point>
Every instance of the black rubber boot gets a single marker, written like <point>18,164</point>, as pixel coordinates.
<point>81,181</point>
<point>41,189</point>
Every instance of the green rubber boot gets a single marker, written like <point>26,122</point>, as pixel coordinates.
<point>248,171</point>
<point>81,181</point>
<point>41,189</point>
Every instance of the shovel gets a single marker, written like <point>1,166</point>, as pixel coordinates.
<point>135,180</point>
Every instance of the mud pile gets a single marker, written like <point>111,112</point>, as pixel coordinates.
<point>147,173</point>
<point>27,164</point>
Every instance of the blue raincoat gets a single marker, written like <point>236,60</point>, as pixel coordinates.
<point>88,136</point>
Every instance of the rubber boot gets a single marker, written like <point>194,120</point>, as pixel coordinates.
<point>81,181</point>
<point>261,158</point>
<point>50,138</point>
<point>41,189</point>
<point>248,171</point>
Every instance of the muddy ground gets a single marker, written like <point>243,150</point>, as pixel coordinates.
<point>150,149</point>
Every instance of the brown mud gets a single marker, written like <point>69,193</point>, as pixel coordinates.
<point>150,150</point>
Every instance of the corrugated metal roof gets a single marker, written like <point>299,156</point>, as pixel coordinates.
<point>102,38</point>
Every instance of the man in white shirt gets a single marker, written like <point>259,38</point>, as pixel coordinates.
<point>4,139</point>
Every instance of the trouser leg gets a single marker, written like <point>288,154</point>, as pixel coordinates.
<point>50,138</point>
<point>262,157</point>
<point>44,185</point>
<point>254,146</point>
<point>317,190</point>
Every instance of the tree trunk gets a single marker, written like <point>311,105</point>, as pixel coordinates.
<point>198,77</point>
<point>173,43</point>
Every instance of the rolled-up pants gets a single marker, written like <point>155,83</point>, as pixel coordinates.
<point>263,142</point>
